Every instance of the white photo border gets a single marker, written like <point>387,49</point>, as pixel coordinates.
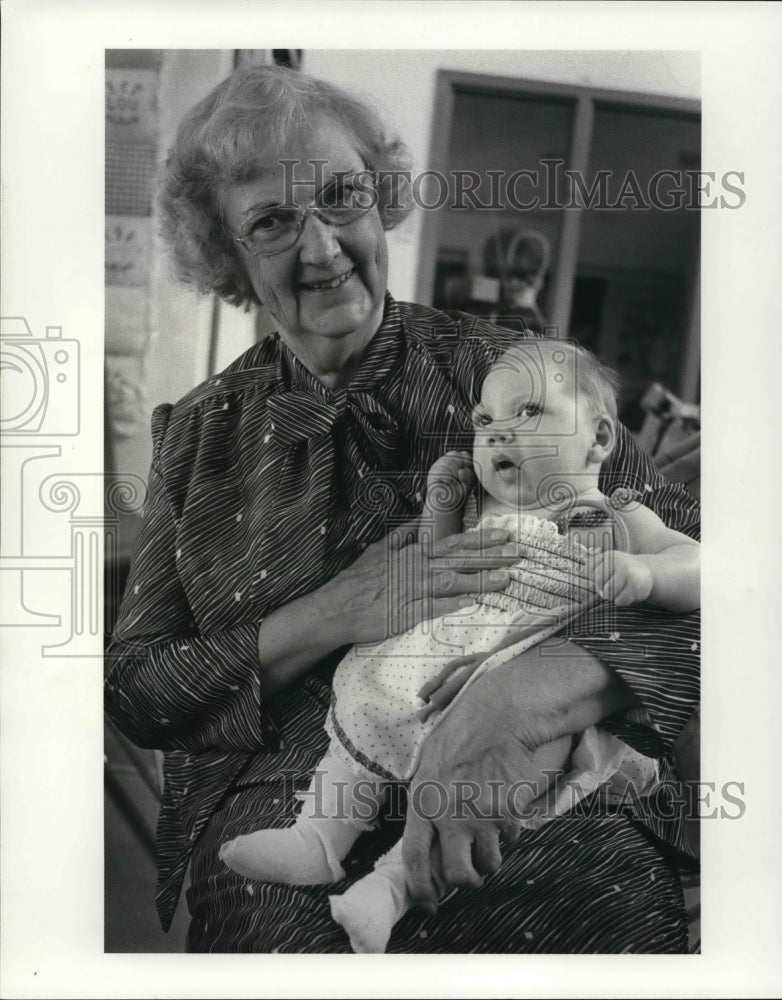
<point>52,812</point>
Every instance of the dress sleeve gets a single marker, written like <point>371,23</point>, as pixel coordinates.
<point>656,652</point>
<point>168,687</point>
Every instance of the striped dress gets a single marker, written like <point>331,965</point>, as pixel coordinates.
<point>264,484</point>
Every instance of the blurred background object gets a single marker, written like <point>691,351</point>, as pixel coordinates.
<point>605,180</point>
<point>671,434</point>
<point>506,291</point>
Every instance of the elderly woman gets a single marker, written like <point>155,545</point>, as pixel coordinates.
<point>271,540</point>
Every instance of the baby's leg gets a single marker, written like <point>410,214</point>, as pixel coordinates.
<point>310,851</point>
<point>372,906</point>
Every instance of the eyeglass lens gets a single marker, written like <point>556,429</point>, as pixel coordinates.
<point>278,228</point>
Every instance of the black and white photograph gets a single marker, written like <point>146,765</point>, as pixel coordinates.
<point>357,472</point>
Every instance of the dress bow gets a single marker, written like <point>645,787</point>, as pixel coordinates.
<point>299,416</point>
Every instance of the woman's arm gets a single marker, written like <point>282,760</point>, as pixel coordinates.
<point>167,686</point>
<point>485,743</point>
<point>482,752</point>
<point>393,585</point>
<point>608,658</point>
<point>171,687</point>
<point>656,652</point>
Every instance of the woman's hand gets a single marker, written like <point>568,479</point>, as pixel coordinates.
<point>477,770</point>
<point>396,583</point>
<point>393,585</point>
<point>461,797</point>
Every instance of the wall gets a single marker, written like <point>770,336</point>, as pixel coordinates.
<point>402,83</point>
<point>181,317</point>
<point>156,329</point>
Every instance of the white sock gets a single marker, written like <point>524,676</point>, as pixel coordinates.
<point>372,906</point>
<point>310,851</point>
<point>301,855</point>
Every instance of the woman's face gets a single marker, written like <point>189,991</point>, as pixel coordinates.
<point>326,292</point>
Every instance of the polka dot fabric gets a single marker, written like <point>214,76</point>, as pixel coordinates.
<point>374,721</point>
<point>231,509</point>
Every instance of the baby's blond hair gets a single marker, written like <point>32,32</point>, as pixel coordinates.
<point>598,382</point>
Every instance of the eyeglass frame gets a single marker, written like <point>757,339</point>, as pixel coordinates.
<point>302,213</point>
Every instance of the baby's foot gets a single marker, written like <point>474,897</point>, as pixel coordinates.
<point>372,906</point>
<point>293,856</point>
<point>366,916</point>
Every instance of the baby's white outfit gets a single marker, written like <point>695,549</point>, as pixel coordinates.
<point>373,720</point>
<point>376,734</point>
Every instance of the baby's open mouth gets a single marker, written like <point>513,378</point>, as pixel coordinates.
<point>319,286</point>
<point>501,463</point>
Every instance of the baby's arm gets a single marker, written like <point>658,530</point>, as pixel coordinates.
<point>661,565</point>
<point>448,485</point>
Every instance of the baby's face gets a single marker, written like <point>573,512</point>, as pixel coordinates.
<point>532,431</point>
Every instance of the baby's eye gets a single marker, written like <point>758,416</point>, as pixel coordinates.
<point>480,419</point>
<point>530,410</point>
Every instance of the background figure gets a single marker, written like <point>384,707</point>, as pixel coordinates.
<point>515,263</point>
<point>519,260</point>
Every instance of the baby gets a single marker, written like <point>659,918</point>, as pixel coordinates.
<point>545,423</point>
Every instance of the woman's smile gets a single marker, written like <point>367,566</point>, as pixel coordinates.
<point>328,284</point>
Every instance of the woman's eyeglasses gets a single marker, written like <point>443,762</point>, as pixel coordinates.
<point>277,228</point>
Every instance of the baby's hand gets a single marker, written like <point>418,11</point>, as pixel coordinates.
<point>442,689</point>
<point>621,577</point>
<point>450,481</point>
